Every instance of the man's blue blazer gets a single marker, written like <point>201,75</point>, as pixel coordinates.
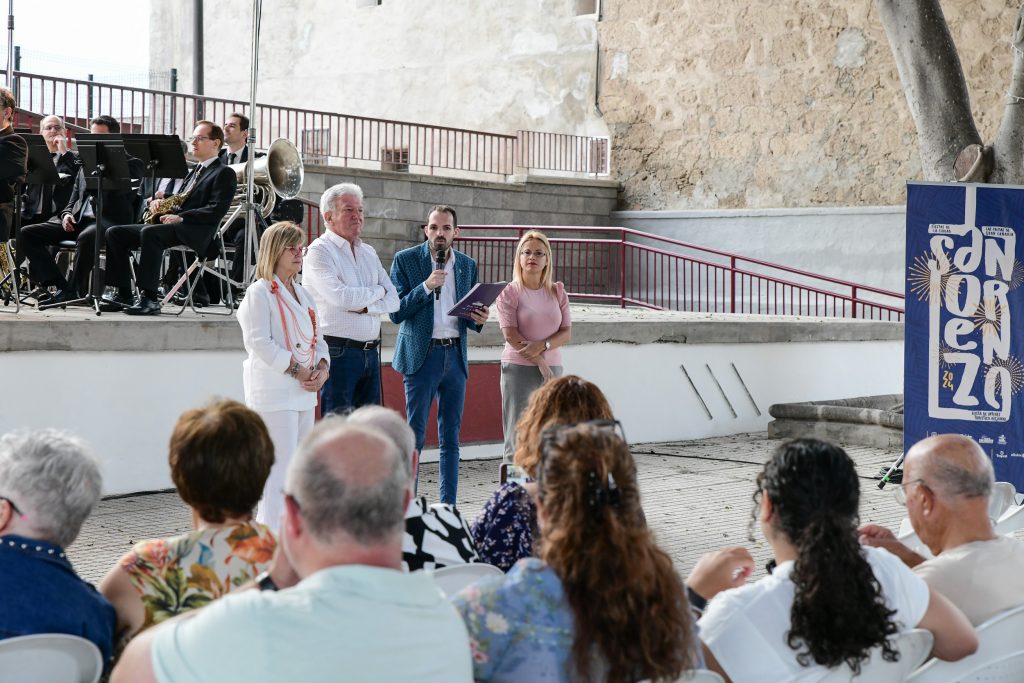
<point>415,313</point>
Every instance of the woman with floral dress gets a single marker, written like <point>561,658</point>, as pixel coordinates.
<point>220,456</point>
<point>602,602</point>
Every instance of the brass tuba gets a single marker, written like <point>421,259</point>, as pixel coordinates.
<point>277,173</point>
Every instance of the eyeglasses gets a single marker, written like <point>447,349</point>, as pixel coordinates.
<point>13,507</point>
<point>52,126</point>
<point>900,492</point>
<point>538,254</point>
<point>297,251</point>
<point>196,138</point>
<point>549,435</point>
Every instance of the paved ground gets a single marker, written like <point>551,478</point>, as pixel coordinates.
<point>696,494</point>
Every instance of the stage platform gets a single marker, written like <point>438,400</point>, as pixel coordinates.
<point>120,382</point>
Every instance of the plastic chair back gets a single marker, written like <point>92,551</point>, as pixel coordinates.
<point>453,578</point>
<point>1004,494</point>
<point>1012,520</point>
<point>914,647</point>
<point>697,676</point>
<point>49,658</point>
<point>1000,655</point>
<point>907,537</point>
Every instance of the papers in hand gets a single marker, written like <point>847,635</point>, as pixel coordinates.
<point>482,295</point>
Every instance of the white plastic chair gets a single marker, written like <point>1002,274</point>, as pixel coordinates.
<point>1012,520</point>
<point>49,658</point>
<point>907,537</point>
<point>914,647</point>
<point>1004,494</point>
<point>698,676</point>
<point>453,578</point>
<point>1000,655</point>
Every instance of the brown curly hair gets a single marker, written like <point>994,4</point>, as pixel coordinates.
<point>626,597</point>
<point>565,400</point>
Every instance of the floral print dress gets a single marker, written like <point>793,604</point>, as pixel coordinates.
<point>186,572</point>
<point>503,533</point>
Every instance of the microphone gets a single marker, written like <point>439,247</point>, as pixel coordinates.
<point>439,266</point>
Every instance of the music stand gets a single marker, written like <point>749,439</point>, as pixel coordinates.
<point>41,171</point>
<point>105,165</point>
<point>161,153</point>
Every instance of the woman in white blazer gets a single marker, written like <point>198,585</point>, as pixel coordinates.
<point>288,358</point>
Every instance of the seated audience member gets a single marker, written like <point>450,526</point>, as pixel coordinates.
<point>49,484</point>
<point>603,602</point>
<point>947,483</point>
<point>829,601</point>
<point>503,533</point>
<point>220,456</point>
<point>345,610</point>
<point>435,535</point>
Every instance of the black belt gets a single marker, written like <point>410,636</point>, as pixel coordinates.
<point>352,343</point>
<point>448,341</point>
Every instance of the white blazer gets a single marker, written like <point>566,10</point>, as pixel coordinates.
<point>267,387</point>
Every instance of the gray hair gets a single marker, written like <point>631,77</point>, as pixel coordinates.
<point>959,467</point>
<point>336,192</point>
<point>392,425</point>
<point>333,499</point>
<point>52,116</point>
<point>54,480</point>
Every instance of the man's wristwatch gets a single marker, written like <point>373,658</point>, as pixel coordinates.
<point>265,582</point>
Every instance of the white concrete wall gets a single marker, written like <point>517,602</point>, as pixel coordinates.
<point>493,66</point>
<point>125,404</point>
<point>865,245</point>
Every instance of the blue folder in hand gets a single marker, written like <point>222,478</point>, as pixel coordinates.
<point>483,295</point>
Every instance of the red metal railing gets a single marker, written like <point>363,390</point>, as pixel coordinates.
<point>322,137</point>
<point>630,267</point>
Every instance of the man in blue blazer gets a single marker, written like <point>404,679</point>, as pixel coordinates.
<point>431,351</point>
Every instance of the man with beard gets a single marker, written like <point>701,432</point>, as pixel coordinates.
<point>431,351</point>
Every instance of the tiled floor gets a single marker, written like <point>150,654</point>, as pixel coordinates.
<point>696,495</point>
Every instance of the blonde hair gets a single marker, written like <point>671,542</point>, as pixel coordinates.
<point>275,240</point>
<point>546,276</point>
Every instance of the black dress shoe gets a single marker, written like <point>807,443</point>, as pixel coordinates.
<point>145,306</point>
<point>116,303</point>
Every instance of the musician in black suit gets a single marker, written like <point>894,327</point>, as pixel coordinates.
<point>235,151</point>
<point>39,202</point>
<point>211,187</point>
<point>77,221</point>
<point>13,162</point>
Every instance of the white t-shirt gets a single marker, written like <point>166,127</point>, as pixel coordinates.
<point>347,623</point>
<point>982,578</point>
<point>746,627</point>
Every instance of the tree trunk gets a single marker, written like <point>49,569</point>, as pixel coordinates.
<point>1009,142</point>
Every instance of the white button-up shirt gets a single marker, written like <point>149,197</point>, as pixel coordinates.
<point>445,326</point>
<point>343,283</point>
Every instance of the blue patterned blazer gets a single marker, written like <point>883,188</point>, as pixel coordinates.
<point>415,313</point>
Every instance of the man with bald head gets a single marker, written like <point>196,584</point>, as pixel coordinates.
<point>336,604</point>
<point>947,481</point>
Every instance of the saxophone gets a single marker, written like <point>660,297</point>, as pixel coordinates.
<point>165,206</point>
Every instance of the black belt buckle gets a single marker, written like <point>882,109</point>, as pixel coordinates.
<point>369,346</point>
<point>447,341</point>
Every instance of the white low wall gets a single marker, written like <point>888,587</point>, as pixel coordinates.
<point>864,245</point>
<point>125,403</point>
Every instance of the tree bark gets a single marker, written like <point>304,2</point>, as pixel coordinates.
<point>933,81</point>
<point>1009,142</point>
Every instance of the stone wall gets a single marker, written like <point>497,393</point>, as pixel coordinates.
<point>732,103</point>
<point>396,204</point>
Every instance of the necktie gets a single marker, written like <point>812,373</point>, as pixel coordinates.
<point>191,182</point>
<point>231,158</point>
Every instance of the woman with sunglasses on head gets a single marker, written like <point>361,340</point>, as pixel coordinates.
<point>504,531</point>
<point>533,312</point>
<point>288,358</point>
<point>828,601</point>
<point>602,602</point>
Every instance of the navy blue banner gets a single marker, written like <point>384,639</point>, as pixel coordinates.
<point>963,344</point>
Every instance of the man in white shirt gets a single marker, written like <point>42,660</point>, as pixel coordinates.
<point>947,483</point>
<point>351,290</point>
<point>344,608</point>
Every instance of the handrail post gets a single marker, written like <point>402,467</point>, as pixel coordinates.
<point>854,301</point>
<point>622,268</point>
<point>732,284</point>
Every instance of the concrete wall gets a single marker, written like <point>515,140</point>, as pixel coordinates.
<point>396,204</point>
<point>498,67</point>
<point>865,245</point>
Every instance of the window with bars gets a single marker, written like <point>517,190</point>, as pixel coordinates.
<point>316,145</point>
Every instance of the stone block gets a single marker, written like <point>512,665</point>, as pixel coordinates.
<point>456,196</point>
<point>314,184</point>
<point>398,189</point>
<point>575,205</point>
<point>542,202</point>
<point>483,198</point>
<point>516,200</point>
<point>373,226</point>
<point>373,188</point>
<point>427,192</point>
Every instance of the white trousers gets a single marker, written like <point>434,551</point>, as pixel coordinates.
<point>287,428</point>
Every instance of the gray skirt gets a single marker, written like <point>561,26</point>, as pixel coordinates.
<point>517,383</point>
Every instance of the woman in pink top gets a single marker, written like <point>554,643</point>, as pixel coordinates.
<point>533,312</point>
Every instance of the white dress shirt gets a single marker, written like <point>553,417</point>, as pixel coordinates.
<point>266,385</point>
<point>445,326</point>
<point>343,283</point>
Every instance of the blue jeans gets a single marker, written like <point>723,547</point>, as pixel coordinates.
<point>354,379</point>
<point>441,375</point>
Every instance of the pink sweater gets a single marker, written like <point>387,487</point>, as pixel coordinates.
<point>537,314</point>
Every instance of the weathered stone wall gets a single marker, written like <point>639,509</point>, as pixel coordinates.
<point>739,104</point>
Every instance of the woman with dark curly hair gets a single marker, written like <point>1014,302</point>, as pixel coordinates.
<point>829,601</point>
<point>602,602</point>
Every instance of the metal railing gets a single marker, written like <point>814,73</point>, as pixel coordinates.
<point>322,137</point>
<point>629,267</point>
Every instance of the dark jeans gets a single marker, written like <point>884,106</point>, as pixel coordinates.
<point>353,381</point>
<point>441,375</point>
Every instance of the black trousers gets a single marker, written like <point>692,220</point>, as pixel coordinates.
<point>152,240</point>
<point>36,241</point>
